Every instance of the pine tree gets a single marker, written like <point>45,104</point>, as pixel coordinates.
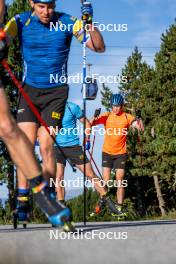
<point>160,110</point>
<point>152,92</point>
<point>106,96</point>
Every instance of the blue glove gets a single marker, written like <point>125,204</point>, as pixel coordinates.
<point>87,144</point>
<point>87,12</point>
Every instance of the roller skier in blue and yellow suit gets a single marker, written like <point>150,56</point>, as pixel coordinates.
<point>21,151</point>
<point>45,53</point>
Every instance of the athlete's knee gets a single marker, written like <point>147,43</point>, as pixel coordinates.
<point>120,176</point>
<point>59,177</point>
<point>8,128</point>
<point>90,173</point>
<point>47,150</point>
<point>60,180</point>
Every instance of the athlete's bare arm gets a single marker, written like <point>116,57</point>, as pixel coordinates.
<point>138,124</point>
<point>96,42</point>
<point>2,9</point>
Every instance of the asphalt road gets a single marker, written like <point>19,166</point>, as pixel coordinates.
<point>142,242</point>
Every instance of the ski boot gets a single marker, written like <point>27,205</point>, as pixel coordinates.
<point>63,202</point>
<point>56,212</point>
<point>21,215</point>
<point>99,208</point>
<point>115,209</point>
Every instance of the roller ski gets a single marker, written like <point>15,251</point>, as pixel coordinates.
<point>57,214</point>
<point>21,215</point>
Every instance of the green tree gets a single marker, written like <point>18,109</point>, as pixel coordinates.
<point>152,92</point>
<point>106,96</point>
<point>159,110</point>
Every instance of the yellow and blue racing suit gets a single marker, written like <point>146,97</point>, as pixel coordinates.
<point>44,50</point>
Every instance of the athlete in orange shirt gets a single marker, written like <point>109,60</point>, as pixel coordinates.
<point>114,153</point>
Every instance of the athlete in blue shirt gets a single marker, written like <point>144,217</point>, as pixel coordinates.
<point>70,149</point>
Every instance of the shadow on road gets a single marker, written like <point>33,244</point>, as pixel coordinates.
<point>91,226</point>
<point>104,225</point>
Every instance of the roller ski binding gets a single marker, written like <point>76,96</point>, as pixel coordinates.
<point>122,213</point>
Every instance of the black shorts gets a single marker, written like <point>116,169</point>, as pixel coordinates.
<point>114,161</point>
<point>49,102</point>
<point>74,154</point>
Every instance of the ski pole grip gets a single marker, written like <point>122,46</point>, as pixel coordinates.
<point>138,114</point>
<point>97,112</point>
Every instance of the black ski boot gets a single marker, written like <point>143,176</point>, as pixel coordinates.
<point>115,209</point>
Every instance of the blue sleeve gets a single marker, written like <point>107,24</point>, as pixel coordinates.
<point>21,20</point>
<point>77,111</point>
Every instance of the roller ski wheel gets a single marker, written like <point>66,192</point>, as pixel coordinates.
<point>62,219</point>
<point>25,225</point>
<point>69,227</point>
<point>17,221</point>
<point>120,218</point>
<point>97,212</point>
